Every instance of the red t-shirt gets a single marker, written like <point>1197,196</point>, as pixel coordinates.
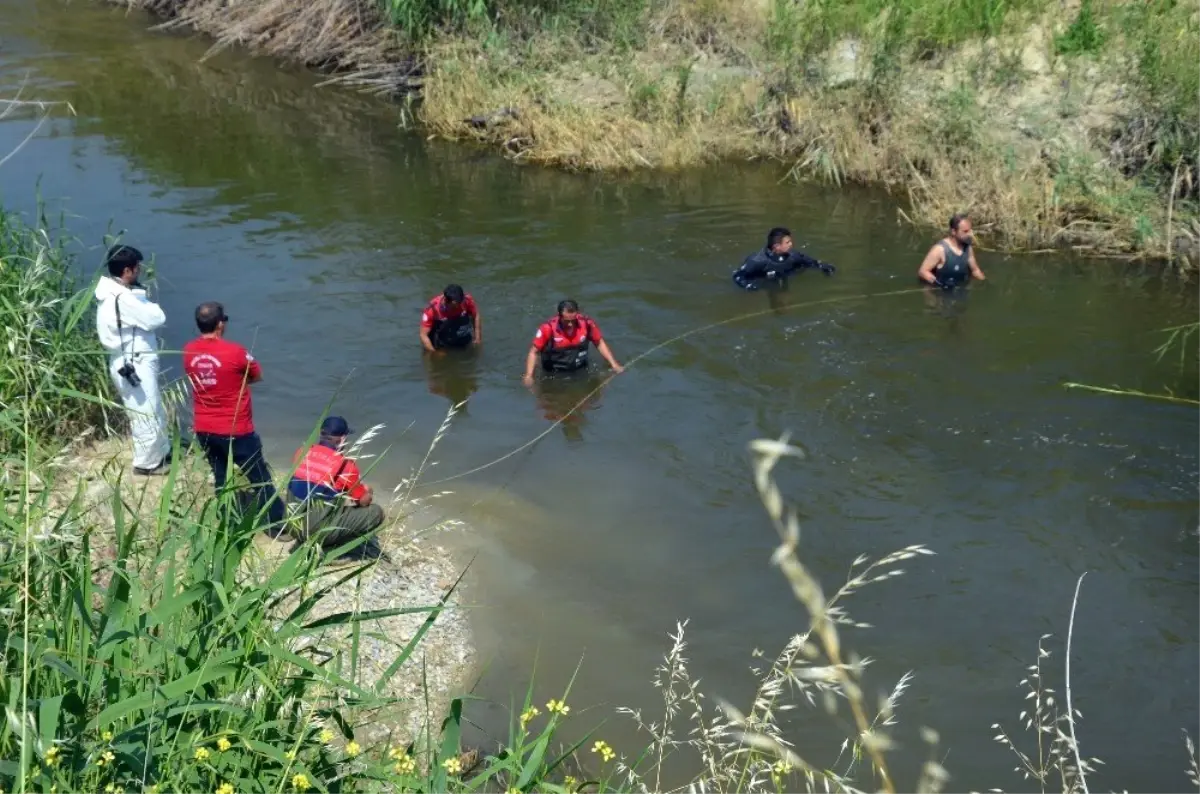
<point>219,371</point>
<point>585,329</point>
<point>438,310</point>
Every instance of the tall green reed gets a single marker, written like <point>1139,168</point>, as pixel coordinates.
<point>51,351</point>
<point>193,666</point>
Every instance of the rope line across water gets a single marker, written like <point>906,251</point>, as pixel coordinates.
<point>660,346</point>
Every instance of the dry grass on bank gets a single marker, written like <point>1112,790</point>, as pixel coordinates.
<point>348,36</point>
<point>1063,125</point>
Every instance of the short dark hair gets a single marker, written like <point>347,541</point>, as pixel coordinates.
<point>775,235</point>
<point>122,257</point>
<point>567,305</point>
<point>453,293</point>
<point>209,315</point>
<point>956,220</point>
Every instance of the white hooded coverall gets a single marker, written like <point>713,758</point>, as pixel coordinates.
<point>136,342</point>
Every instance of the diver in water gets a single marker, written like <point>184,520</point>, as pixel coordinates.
<point>450,320</point>
<point>951,261</point>
<point>561,343</point>
<point>776,262</point>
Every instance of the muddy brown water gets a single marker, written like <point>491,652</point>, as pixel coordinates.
<point>323,228</point>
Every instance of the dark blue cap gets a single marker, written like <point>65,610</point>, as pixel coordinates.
<point>335,426</point>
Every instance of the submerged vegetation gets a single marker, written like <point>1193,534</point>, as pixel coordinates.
<point>1071,124</point>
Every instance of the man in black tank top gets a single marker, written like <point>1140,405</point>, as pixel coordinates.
<point>951,261</point>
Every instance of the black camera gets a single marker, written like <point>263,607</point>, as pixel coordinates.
<point>130,374</point>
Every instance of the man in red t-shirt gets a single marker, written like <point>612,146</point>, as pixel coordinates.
<point>450,320</point>
<point>561,343</point>
<point>220,373</point>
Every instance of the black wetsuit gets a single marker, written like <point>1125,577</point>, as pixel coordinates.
<point>765,264</point>
<point>956,270</point>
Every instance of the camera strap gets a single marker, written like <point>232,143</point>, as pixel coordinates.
<point>120,328</point>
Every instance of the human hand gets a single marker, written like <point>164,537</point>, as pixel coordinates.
<point>827,268</point>
<point>527,380</point>
<point>617,368</point>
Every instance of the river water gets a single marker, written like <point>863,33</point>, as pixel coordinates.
<point>323,229</point>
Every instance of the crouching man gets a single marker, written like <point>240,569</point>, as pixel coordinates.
<point>336,504</point>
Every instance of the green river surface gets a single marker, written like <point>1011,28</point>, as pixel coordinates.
<point>324,228</point>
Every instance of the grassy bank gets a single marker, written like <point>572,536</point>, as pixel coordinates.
<point>1069,124</point>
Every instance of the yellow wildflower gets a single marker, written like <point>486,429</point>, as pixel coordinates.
<point>52,756</point>
<point>353,749</point>
<point>406,765</point>
<point>110,789</point>
<point>782,768</point>
<point>557,707</point>
<point>152,789</point>
<point>225,788</point>
<point>513,790</point>
<point>223,744</point>
<point>604,751</point>
<point>528,714</point>
<point>326,736</point>
<point>290,755</point>
<point>570,782</point>
<point>397,753</point>
<point>202,754</point>
<point>452,765</point>
<point>300,783</point>
<point>107,736</point>
<point>105,758</point>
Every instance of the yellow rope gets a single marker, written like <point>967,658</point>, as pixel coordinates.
<point>1170,398</point>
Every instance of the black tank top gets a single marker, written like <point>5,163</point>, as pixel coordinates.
<point>957,267</point>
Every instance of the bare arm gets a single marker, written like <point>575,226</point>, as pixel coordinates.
<point>976,271</point>
<point>530,363</point>
<point>366,497</point>
<point>935,257</point>
<point>478,328</point>
<point>425,343</point>
<point>602,346</point>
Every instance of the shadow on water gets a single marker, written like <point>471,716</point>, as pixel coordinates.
<point>928,418</point>
<point>453,374</point>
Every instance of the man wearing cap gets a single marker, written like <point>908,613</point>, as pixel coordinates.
<point>337,504</point>
<point>220,372</point>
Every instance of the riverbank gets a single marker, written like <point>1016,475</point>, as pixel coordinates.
<point>1070,125</point>
<point>158,638</point>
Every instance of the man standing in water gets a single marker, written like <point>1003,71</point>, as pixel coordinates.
<point>561,343</point>
<point>951,261</point>
<point>776,262</point>
<point>450,320</point>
